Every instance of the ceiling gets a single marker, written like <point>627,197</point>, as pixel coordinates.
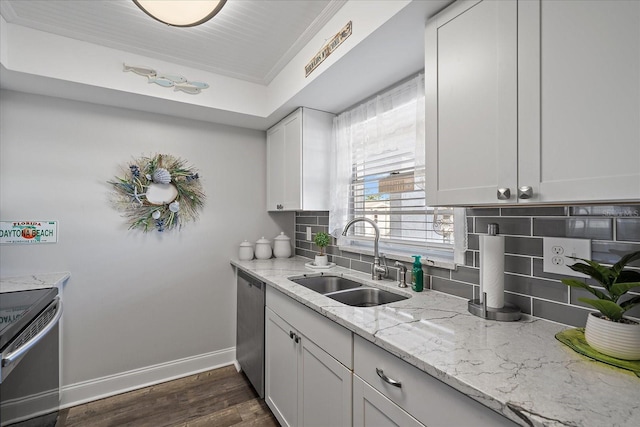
<point>251,40</point>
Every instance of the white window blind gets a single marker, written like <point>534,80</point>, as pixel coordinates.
<point>379,174</point>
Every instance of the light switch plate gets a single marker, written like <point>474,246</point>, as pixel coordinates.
<point>309,233</point>
<point>556,251</point>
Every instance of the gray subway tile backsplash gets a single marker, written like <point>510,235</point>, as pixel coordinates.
<point>517,264</point>
<point>541,288</point>
<point>628,229</point>
<point>610,252</point>
<point>580,228</point>
<point>531,246</point>
<point>466,274</point>
<point>562,313</point>
<point>535,211</point>
<point>606,211</point>
<point>454,288</point>
<point>614,231</point>
<point>506,226</point>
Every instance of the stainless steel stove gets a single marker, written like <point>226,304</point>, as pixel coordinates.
<point>29,349</point>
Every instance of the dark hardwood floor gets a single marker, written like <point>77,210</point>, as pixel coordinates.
<point>222,397</point>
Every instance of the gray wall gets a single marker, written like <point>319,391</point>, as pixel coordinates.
<point>134,300</point>
<point>613,230</point>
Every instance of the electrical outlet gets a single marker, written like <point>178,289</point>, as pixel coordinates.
<point>309,234</point>
<point>556,251</point>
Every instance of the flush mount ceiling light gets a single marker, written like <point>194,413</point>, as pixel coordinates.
<point>181,13</point>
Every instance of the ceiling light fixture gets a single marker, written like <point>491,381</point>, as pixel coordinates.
<point>181,13</point>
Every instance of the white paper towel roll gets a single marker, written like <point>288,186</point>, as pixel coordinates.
<point>492,270</point>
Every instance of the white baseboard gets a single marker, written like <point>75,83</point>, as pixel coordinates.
<point>99,388</point>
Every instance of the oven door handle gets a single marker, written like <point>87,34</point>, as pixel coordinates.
<point>14,355</point>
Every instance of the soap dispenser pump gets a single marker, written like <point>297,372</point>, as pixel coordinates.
<point>416,272</point>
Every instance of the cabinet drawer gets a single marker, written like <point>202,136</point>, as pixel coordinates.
<point>328,335</point>
<point>370,408</point>
<point>427,399</point>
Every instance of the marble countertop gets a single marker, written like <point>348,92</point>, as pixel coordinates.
<point>36,281</point>
<point>518,368</point>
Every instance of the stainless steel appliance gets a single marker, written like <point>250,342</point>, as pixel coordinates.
<point>250,329</point>
<point>29,350</point>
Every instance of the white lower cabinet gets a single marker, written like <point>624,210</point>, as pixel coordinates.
<point>304,384</point>
<point>281,370</point>
<point>372,409</point>
<point>317,373</point>
<point>423,397</point>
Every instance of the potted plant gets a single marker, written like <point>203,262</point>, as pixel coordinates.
<point>321,240</point>
<point>609,331</point>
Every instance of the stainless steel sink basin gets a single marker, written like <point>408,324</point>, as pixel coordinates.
<point>365,297</point>
<point>326,284</point>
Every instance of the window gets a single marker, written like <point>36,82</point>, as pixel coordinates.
<point>378,173</point>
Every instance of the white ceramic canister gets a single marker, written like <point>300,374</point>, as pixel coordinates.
<point>245,253</point>
<point>282,246</point>
<point>263,248</point>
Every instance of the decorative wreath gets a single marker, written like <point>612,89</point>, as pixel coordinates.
<point>159,192</point>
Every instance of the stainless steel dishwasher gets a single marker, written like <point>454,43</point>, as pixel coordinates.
<point>250,329</point>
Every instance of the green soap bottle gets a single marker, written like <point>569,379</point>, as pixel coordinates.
<point>416,273</point>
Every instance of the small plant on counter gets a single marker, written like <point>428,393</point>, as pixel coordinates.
<point>610,332</point>
<point>615,280</point>
<point>322,240</point>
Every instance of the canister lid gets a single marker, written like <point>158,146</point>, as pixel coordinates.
<point>263,240</point>
<point>245,243</point>
<point>492,229</point>
<point>282,236</point>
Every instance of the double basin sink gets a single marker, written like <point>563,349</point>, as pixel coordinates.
<point>348,291</point>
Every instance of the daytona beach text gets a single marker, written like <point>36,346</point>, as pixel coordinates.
<point>18,233</point>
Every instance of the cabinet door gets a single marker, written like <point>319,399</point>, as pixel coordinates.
<point>293,161</point>
<point>579,99</point>
<point>372,409</point>
<point>275,168</point>
<point>471,103</point>
<point>281,369</point>
<point>324,385</point>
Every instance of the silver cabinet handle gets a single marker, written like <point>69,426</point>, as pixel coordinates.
<point>504,193</point>
<point>388,380</point>
<point>294,337</point>
<point>525,192</point>
<point>11,357</point>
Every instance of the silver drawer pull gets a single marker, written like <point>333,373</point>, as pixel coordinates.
<point>504,193</point>
<point>388,380</point>
<point>525,192</point>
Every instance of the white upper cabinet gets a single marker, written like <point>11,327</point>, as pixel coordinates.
<point>298,161</point>
<point>579,100</point>
<point>471,102</point>
<point>533,102</point>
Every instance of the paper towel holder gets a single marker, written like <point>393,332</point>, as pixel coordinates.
<point>508,313</point>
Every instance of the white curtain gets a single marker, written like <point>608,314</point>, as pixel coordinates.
<point>399,124</point>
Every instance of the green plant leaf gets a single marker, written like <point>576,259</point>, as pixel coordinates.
<point>600,273</point>
<point>575,283</point>
<point>630,257</point>
<point>630,303</point>
<point>610,309</point>
<point>620,289</point>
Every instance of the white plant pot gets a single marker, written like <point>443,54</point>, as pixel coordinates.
<point>619,340</point>
<point>321,260</point>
